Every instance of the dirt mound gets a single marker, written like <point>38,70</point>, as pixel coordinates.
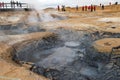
<point>106,45</point>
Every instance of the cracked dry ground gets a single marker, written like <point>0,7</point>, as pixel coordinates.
<point>73,46</point>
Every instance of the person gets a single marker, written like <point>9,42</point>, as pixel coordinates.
<point>17,3</point>
<point>3,4</point>
<point>58,8</point>
<point>109,3</point>
<point>102,7</point>
<point>0,4</point>
<point>116,3</point>
<point>82,8</point>
<point>11,2</point>
<point>100,4</point>
<point>77,7</point>
<point>91,8</point>
<point>85,8</point>
<point>20,4</point>
<point>94,8</point>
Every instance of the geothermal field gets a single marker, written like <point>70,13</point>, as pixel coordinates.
<point>60,45</point>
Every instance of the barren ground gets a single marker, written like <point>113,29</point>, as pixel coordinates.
<point>20,28</point>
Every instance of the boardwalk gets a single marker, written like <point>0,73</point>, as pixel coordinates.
<point>16,6</point>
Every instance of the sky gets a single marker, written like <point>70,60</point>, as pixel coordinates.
<point>53,3</point>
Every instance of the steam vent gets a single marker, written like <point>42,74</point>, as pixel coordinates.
<point>64,43</point>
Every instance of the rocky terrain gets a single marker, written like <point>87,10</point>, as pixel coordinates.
<point>56,45</point>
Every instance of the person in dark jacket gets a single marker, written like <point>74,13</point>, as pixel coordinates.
<point>17,3</point>
<point>91,8</point>
<point>103,7</point>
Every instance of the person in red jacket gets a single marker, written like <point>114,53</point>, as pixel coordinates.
<point>94,8</point>
<point>83,8</point>
<point>89,7</point>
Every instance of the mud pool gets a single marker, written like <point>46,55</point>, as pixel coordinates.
<point>67,56</point>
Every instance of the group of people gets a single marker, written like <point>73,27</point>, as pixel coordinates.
<point>13,4</point>
<point>85,8</point>
<point>116,3</point>
<point>89,8</point>
<point>63,8</point>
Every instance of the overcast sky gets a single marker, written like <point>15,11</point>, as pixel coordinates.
<point>53,3</point>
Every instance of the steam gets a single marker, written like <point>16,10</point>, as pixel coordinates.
<point>46,17</point>
<point>42,16</point>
